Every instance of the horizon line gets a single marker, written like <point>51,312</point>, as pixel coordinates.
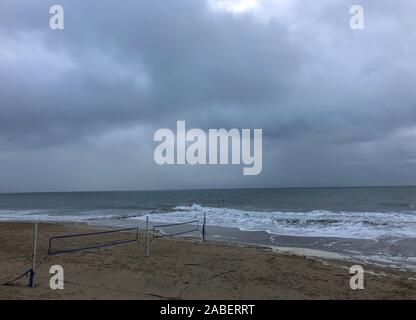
<point>214,188</point>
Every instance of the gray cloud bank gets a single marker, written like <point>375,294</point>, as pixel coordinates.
<point>79,106</point>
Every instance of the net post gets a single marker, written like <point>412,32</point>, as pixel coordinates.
<point>203,228</point>
<point>49,246</point>
<point>147,236</point>
<point>137,235</point>
<point>33,270</point>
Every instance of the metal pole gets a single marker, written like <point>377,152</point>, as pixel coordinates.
<point>33,270</point>
<point>203,228</point>
<point>147,236</point>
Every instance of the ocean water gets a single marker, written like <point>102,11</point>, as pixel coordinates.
<point>378,224</point>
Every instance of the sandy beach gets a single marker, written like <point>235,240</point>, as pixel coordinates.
<point>184,269</point>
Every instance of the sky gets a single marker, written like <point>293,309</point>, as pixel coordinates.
<point>79,106</point>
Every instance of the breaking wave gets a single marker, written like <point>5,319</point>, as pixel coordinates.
<point>316,223</point>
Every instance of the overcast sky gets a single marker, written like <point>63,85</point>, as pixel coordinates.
<point>79,106</point>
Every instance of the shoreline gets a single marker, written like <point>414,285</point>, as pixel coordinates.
<point>182,268</point>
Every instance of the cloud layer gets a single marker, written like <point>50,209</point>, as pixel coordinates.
<point>79,106</point>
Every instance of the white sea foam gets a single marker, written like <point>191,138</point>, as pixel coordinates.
<point>319,223</point>
<point>18,212</point>
<point>316,223</point>
<point>43,215</point>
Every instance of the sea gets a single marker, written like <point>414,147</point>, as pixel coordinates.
<point>369,224</point>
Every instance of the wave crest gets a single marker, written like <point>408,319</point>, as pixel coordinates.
<point>319,223</point>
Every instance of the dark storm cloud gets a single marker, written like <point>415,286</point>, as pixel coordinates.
<point>123,64</point>
<point>332,102</point>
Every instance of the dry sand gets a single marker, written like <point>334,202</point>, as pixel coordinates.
<point>185,269</point>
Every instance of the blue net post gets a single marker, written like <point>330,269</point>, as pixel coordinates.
<point>31,278</point>
<point>203,228</point>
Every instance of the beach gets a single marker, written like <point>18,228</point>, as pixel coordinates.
<point>366,225</point>
<point>179,268</point>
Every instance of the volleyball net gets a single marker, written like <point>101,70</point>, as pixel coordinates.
<point>92,240</point>
<point>192,227</point>
<point>175,229</point>
<point>72,243</point>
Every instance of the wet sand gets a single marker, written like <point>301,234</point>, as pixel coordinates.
<point>184,269</point>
